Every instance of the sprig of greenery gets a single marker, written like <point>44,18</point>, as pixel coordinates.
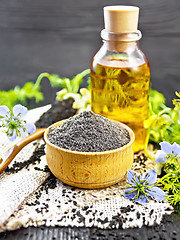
<point>71,86</point>
<point>32,90</point>
<point>21,95</point>
<point>156,100</point>
<point>170,182</point>
<point>68,85</point>
<point>168,162</point>
<point>176,102</point>
<point>162,124</point>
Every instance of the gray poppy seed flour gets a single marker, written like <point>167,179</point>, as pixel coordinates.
<point>89,132</point>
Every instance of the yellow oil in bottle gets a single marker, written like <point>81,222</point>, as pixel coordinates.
<point>120,91</point>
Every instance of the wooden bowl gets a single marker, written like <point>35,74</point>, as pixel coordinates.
<point>89,169</point>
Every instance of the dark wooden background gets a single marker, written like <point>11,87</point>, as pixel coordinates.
<point>61,36</point>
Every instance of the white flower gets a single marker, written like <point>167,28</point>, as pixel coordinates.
<point>12,122</point>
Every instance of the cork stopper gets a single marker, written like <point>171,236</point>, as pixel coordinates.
<point>121,19</point>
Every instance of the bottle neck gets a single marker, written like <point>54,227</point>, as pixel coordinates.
<point>120,42</point>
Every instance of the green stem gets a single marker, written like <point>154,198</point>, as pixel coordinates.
<point>171,173</point>
<point>40,77</point>
<point>80,76</point>
<point>146,146</point>
<point>163,111</point>
<point>68,85</point>
<point>85,72</point>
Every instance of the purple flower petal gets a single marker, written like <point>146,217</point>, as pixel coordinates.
<point>129,195</point>
<point>13,137</point>
<point>156,193</point>
<point>30,127</point>
<point>130,176</point>
<point>176,148</point>
<point>4,111</point>
<point>150,176</point>
<point>166,147</point>
<point>141,200</point>
<point>138,178</point>
<point>19,109</point>
<point>160,157</point>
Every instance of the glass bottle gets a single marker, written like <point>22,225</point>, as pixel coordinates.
<point>120,73</point>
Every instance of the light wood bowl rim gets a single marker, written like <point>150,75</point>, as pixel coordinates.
<point>130,131</point>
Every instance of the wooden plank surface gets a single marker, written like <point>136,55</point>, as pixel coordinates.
<point>156,17</point>
<point>61,36</point>
<point>167,230</point>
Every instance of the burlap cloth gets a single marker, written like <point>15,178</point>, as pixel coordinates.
<point>32,196</point>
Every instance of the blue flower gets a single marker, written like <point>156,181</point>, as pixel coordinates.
<point>13,123</point>
<point>142,187</point>
<point>166,150</point>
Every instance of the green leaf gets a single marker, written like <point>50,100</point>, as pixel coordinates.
<point>166,119</point>
<point>162,124</point>
<point>148,123</point>
<point>8,98</point>
<point>61,94</point>
<point>157,100</point>
<point>28,92</point>
<point>20,95</point>
<point>32,90</point>
<point>56,81</point>
<point>78,79</point>
<point>72,85</point>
